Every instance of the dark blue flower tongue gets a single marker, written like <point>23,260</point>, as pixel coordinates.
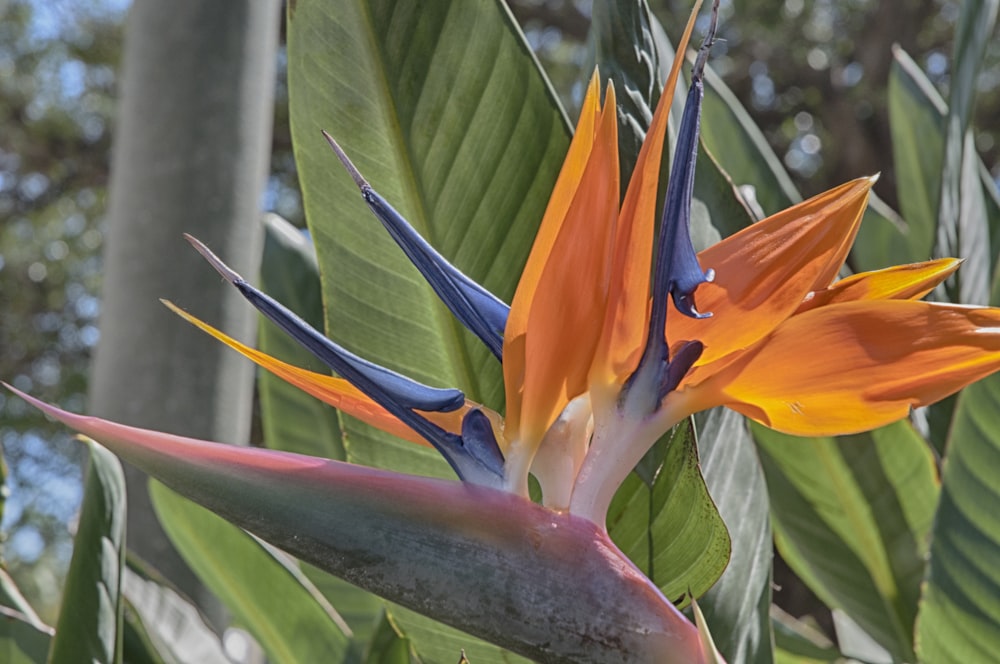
<point>398,394</point>
<point>476,308</point>
<point>677,272</point>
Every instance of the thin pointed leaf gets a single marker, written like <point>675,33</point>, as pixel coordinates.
<point>917,119</point>
<point>737,607</point>
<point>389,645</point>
<point>851,517</point>
<point>629,41</point>
<point>90,619</point>
<point>798,643</point>
<point>11,598</point>
<point>742,151</point>
<point>464,140</point>
<point>260,587</point>
<point>627,52</point>
<point>436,642</point>
<point>546,584</point>
<point>24,638</point>
<point>960,607</point>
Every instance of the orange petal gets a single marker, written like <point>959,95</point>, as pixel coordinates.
<point>563,193</point>
<point>336,392</point>
<point>855,366</point>
<point>902,282</point>
<point>763,273</point>
<point>571,293</point>
<point>627,313</point>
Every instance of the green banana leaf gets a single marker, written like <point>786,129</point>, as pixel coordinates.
<point>852,516</point>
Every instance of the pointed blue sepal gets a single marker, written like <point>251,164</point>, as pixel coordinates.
<point>481,444</point>
<point>398,394</point>
<point>677,368</point>
<point>484,314</point>
<point>676,272</point>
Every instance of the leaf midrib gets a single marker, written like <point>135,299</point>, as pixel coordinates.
<point>454,346</point>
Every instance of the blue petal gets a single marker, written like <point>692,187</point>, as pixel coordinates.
<point>677,273</point>
<point>476,308</point>
<point>677,368</point>
<point>481,444</point>
<point>396,393</point>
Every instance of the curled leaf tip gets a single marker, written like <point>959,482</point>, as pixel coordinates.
<point>346,161</point>
<point>227,272</point>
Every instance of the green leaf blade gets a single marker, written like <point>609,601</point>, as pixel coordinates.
<point>264,593</point>
<point>90,619</point>
<point>960,607</point>
<point>852,517</point>
<point>737,607</point>
<point>446,113</point>
<point>667,523</point>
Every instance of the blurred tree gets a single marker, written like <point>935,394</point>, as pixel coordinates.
<point>57,87</point>
<point>191,154</point>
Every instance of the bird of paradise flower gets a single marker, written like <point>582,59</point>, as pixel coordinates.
<point>601,356</point>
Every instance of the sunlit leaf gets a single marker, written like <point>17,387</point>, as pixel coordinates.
<point>742,150</point>
<point>916,119</point>
<point>796,642</point>
<point>22,642</point>
<point>389,646</point>
<point>960,607</point>
<point>292,420</point>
